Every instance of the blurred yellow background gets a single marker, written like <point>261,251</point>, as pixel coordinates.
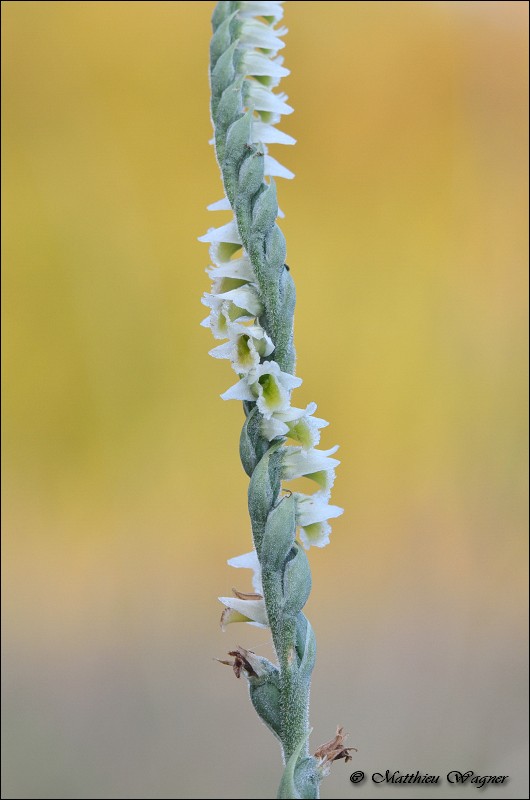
<point>123,491</point>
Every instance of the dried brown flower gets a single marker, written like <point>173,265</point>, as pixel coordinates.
<point>242,661</point>
<point>334,749</point>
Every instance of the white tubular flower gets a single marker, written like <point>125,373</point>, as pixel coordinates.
<point>246,607</point>
<point>268,386</point>
<point>244,297</point>
<point>230,305</point>
<point>298,462</point>
<point>324,479</point>
<point>247,345</point>
<point>296,423</point>
<point>315,535</point>
<point>219,320</point>
<point>312,513</point>
<point>273,388</point>
<point>224,314</point>
<point>257,34</point>
<point>224,266</point>
<point>258,64</point>
<point>275,169</point>
<point>264,100</point>
<point>268,134</point>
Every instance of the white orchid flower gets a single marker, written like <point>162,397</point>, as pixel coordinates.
<point>244,608</point>
<point>223,316</point>
<point>238,269</point>
<point>312,513</point>
<point>268,386</point>
<point>247,345</point>
<point>297,423</point>
<point>298,462</point>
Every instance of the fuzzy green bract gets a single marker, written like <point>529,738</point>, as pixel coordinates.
<point>251,308</point>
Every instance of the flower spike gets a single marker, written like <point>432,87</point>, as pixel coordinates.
<point>251,309</point>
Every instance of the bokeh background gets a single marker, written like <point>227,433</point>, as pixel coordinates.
<point>123,491</point>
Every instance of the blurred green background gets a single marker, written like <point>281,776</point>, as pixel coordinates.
<point>123,491</point>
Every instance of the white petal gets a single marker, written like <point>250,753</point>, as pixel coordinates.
<point>274,168</point>
<point>220,205</point>
<point>272,368</point>
<point>211,301</point>
<point>222,350</point>
<point>271,428</point>
<point>226,233</point>
<point>239,391</point>
<point>260,64</point>
<point>291,414</point>
<point>245,561</point>
<point>268,344</point>
<point>245,297</point>
<point>239,268</point>
<point>249,561</point>
<point>268,134</point>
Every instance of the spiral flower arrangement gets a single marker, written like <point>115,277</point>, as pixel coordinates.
<point>251,308</point>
